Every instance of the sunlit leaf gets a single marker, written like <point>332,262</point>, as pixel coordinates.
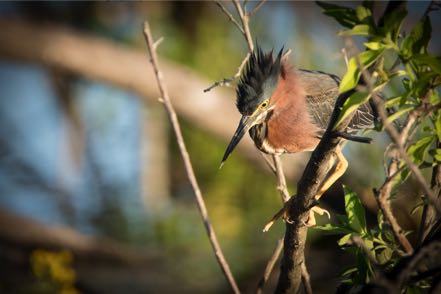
<point>344,240</point>
<point>333,229</point>
<point>358,30</point>
<point>418,151</point>
<point>351,104</point>
<point>354,211</point>
<point>438,124</point>
<point>350,79</point>
<point>373,45</point>
<point>363,13</point>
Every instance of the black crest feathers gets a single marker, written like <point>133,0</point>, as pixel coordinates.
<point>258,81</point>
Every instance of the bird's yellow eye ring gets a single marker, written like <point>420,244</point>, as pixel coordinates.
<point>264,104</point>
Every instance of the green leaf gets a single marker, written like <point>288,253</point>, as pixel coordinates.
<point>333,229</point>
<point>350,79</point>
<point>344,240</point>
<point>344,15</point>
<point>373,45</point>
<point>438,124</point>
<point>363,13</point>
<point>401,111</point>
<point>425,59</point>
<point>418,39</point>
<point>436,154</point>
<point>423,83</point>
<point>392,23</point>
<point>393,101</point>
<point>355,211</point>
<point>419,150</point>
<point>351,104</point>
<point>358,30</point>
<point>434,98</point>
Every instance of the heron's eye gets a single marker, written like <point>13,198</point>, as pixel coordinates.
<point>264,104</point>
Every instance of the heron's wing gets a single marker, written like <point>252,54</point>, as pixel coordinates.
<point>321,94</point>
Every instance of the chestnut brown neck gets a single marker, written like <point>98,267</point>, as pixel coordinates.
<point>290,126</point>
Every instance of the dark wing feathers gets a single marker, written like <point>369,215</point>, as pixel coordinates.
<point>321,94</point>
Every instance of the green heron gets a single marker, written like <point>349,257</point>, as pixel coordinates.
<point>287,110</point>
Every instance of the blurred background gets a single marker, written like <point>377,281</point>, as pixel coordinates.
<point>93,194</point>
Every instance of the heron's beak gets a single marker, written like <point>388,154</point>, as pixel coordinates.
<point>246,123</point>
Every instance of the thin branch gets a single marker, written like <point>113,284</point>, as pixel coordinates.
<point>256,8</point>
<point>281,180</point>
<point>188,166</point>
<point>416,259</point>
<point>228,81</point>
<point>230,16</point>
<point>270,266</point>
<point>246,28</point>
<point>429,215</point>
<point>384,193</point>
<point>269,163</point>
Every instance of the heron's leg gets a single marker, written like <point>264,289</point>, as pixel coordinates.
<point>340,167</point>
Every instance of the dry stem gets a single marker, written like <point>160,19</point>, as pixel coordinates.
<point>188,166</point>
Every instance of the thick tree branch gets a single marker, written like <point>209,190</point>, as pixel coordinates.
<point>308,186</point>
<point>188,166</point>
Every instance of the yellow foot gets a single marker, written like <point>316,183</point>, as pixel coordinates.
<point>316,209</point>
<point>283,213</point>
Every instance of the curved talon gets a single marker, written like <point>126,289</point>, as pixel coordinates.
<point>320,211</point>
<point>288,220</point>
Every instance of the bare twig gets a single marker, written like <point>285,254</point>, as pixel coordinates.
<point>270,266</point>
<point>228,81</point>
<point>188,166</point>
<point>384,193</point>
<point>358,241</point>
<point>269,163</point>
<point>256,8</point>
<point>429,214</point>
<point>230,16</point>
<point>416,259</point>
<point>246,28</point>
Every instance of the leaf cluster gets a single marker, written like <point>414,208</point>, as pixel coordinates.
<point>399,60</point>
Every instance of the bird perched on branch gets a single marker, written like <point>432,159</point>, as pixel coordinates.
<point>287,111</point>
